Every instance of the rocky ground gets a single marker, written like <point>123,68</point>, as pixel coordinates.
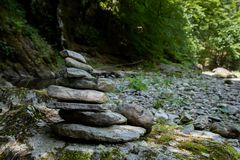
<point>196,117</point>
<point>206,102</point>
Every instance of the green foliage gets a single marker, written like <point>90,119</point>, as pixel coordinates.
<point>137,83</point>
<point>114,154</point>
<point>157,29</point>
<point>181,30</point>
<point>39,43</point>
<point>75,155</point>
<point>215,28</point>
<point>11,17</point>
<point>157,104</point>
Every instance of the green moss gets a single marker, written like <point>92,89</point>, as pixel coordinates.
<point>3,156</point>
<point>158,104</point>
<point>114,154</point>
<point>19,122</point>
<point>42,92</point>
<point>181,157</point>
<point>75,155</point>
<point>215,151</point>
<point>166,138</point>
<point>137,83</point>
<point>150,155</point>
<point>162,132</point>
<point>193,146</point>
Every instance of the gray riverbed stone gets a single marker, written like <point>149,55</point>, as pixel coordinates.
<point>72,54</point>
<point>115,133</point>
<point>76,73</point>
<point>68,94</point>
<point>78,106</point>
<point>77,83</point>
<point>226,130</point>
<point>105,119</point>
<point>105,84</point>
<point>201,122</point>
<point>137,115</point>
<point>223,73</point>
<point>70,62</point>
<point>101,84</point>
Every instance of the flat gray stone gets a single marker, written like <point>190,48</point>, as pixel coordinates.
<point>101,84</point>
<point>105,119</point>
<point>76,73</point>
<point>78,106</point>
<point>115,133</point>
<point>77,56</point>
<point>77,83</point>
<point>70,62</point>
<point>68,94</point>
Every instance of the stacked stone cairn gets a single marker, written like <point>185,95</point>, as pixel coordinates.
<point>82,105</point>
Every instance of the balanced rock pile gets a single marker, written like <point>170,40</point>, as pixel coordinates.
<point>82,102</point>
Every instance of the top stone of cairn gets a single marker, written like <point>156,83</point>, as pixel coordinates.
<point>77,56</point>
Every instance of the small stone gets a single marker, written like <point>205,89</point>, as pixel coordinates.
<point>215,118</point>
<point>78,106</point>
<point>106,85</point>
<point>77,56</point>
<point>172,117</point>
<point>137,116</point>
<point>201,122</point>
<point>161,114</point>
<point>70,62</point>
<point>68,94</point>
<point>230,109</point>
<point>92,118</point>
<point>115,133</point>
<point>188,129</point>
<point>185,118</point>
<point>76,73</point>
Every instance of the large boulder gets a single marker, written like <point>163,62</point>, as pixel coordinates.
<point>115,133</point>
<point>78,106</point>
<point>77,56</point>
<point>68,94</point>
<point>223,73</point>
<point>137,116</point>
<point>70,62</point>
<point>92,118</point>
